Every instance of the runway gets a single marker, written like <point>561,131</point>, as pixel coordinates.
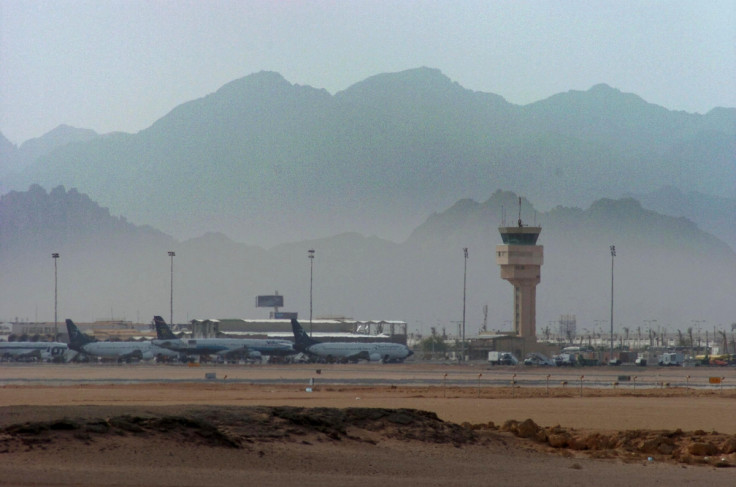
<point>588,398</point>
<point>367,374</point>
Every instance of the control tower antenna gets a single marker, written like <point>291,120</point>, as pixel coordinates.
<point>520,225</point>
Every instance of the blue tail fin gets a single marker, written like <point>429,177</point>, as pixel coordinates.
<point>163,331</point>
<point>77,339</point>
<point>301,339</point>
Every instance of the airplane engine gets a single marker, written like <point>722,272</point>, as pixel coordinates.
<point>375,357</point>
<point>147,355</point>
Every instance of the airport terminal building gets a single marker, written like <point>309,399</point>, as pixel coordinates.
<point>338,329</point>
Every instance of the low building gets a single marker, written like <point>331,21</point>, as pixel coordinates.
<point>322,329</point>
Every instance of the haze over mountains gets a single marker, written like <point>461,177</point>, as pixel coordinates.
<point>405,157</point>
<point>266,161</point>
<point>666,269</point>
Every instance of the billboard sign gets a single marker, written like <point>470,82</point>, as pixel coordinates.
<point>269,301</point>
<point>284,315</point>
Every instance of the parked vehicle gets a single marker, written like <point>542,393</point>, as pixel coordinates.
<point>534,358</point>
<point>564,359</point>
<point>671,359</point>
<point>502,358</point>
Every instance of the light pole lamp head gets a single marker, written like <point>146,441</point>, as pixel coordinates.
<point>613,251</point>
<point>465,250</point>
<point>55,255</point>
<point>172,253</point>
<point>311,253</point>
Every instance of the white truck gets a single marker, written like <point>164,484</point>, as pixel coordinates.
<point>671,359</point>
<point>502,358</point>
<point>564,359</point>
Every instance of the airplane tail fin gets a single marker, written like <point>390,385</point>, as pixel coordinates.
<point>163,331</point>
<point>301,339</point>
<point>77,338</point>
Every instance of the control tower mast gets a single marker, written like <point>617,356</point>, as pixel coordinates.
<point>521,260</point>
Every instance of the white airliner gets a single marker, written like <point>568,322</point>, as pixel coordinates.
<point>251,348</point>
<point>348,351</point>
<point>32,350</point>
<point>121,351</point>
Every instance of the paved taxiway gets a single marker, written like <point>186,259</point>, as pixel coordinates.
<point>365,374</point>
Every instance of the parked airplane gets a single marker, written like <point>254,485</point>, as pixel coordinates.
<point>350,351</point>
<point>121,351</point>
<point>252,348</point>
<point>32,350</point>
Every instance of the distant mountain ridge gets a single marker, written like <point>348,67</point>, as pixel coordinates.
<point>667,269</point>
<point>268,161</point>
<point>16,159</point>
<point>713,214</point>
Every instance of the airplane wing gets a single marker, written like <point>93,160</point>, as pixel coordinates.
<point>25,355</point>
<point>241,353</point>
<point>133,355</point>
<point>362,355</point>
<point>191,347</point>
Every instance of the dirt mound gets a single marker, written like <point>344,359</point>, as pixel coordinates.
<point>238,427</point>
<point>247,427</point>
<point>696,447</point>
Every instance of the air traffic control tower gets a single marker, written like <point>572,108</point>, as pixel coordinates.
<point>520,259</point>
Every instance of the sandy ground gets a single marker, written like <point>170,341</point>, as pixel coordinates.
<point>590,418</point>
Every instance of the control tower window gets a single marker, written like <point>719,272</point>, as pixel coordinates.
<point>519,238</point>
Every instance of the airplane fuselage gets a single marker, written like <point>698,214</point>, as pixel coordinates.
<point>121,350</point>
<point>212,346</point>
<point>373,351</point>
<point>39,350</point>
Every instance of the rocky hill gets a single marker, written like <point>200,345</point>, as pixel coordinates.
<point>267,161</point>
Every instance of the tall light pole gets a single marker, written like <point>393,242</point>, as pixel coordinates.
<point>697,324</point>
<point>310,254</point>
<point>172,254</point>
<point>55,256</point>
<point>613,254</point>
<point>465,280</point>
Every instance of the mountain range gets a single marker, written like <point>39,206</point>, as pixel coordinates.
<point>669,274</point>
<point>266,161</point>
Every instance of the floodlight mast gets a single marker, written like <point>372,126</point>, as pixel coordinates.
<point>171,297</point>
<point>613,254</point>
<point>465,280</point>
<point>310,255</point>
<point>55,256</point>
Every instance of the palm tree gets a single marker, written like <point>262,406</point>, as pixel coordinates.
<point>725,340</point>
<point>546,332</point>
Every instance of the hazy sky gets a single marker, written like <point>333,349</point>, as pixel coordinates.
<point>120,65</point>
